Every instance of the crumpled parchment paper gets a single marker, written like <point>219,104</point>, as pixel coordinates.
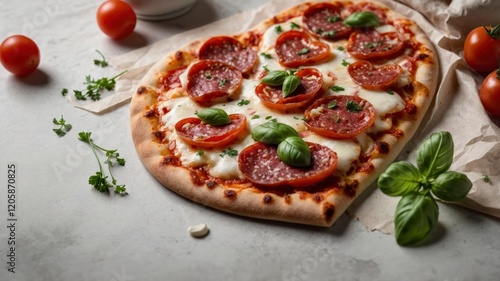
<point>456,107</point>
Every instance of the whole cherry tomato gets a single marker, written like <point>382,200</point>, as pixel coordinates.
<point>490,93</point>
<point>482,48</point>
<point>19,55</point>
<point>116,19</point>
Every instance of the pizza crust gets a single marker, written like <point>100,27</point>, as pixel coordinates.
<point>319,208</point>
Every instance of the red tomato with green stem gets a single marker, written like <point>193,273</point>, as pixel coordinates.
<point>116,19</point>
<point>490,93</point>
<point>19,55</point>
<point>482,48</point>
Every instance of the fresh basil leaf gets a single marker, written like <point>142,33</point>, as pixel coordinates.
<point>435,155</point>
<point>451,186</point>
<point>273,132</point>
<point>399,179</point>
<point>290,84</point>
<point>416,217</point>
<point>213,116</point>
<point>294,152</point>
<point>274,78</point>
<point>362,19</point>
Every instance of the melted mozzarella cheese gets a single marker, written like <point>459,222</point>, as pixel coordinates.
<point>348,151</point>
<point>334,72</point>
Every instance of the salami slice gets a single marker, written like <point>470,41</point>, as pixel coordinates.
<point>295,49</point>
<point>171,79</point>
<point>324,20</point>
<point>311,81</point>
<point>209,80</point>
<point>229,50</point>
<point>340,117</point>
<point>371,44</point>
<point>195,132</point>
<point>369,77</point>
<point>260,164</point>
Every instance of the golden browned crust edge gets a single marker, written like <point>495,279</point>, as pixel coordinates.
<point>249,202</point>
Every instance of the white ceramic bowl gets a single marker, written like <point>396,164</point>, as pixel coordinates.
<point>160,9</point>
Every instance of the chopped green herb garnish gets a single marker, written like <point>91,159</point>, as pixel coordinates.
<point>390,92</point>
<point>222,82</point>
<point>486,178</point>
<point>303,51</point>
<point>266,68</point>
<point>255,116</point>
<point>200,152</point>
<point>230,152</point>
<point>293,25</point>
<point>332,104</point>
<point>345,63</point>
<point>336,118</point>
<point>353,106</point>
<point>336,88</point>
<point>243,102</point>
<point>268,117</point>
<point>340,48</point>
<point>332,19</point>
<point>63,126</point>
<point>278,29</point>
<point>64,92</point>
<point>208,75</point>
<point>330,33</point>
<point>266,55</point>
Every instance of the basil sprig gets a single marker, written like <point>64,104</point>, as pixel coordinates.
<point>292,149</point>
<point>289,82</point>
<point>417,212</point>
<point>362,19</point>
<point>213,116</point>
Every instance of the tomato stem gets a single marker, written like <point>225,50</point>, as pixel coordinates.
<point>493,32</point>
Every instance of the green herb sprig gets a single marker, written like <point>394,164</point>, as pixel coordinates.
<point>100,181</point>
<point>102,62</point>
<point>64,127</point>
<point>417,212</point>
<point>94,87</point>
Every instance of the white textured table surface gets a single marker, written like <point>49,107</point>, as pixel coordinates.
<point>65,230</point>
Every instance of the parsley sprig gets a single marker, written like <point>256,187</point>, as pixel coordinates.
<point>94,87</point>
<point>101,63</point>
<point>100,181</point>
<point>63,126</point>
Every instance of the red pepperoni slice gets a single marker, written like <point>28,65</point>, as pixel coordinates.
<point>340,117</point>
<point>311,81</point>
<point>372,44</point>
<point>369,77</point>
<point>171,79</point>
<point>228,50</point>
<point>324,20</point>
<point>195,132</point>
<point>295,48</point>
<point>210,80</point>
<point>260,164</point>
